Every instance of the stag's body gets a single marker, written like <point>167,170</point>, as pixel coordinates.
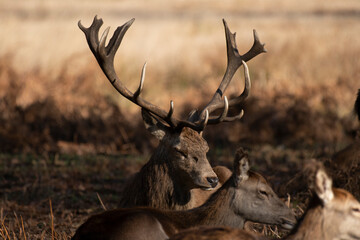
<point>245,196</point>
<point>333,214</point>
<point>178,170</point>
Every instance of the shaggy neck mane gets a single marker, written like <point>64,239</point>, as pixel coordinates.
<point>156,186</point>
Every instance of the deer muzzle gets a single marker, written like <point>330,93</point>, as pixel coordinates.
<point>288,224</point>
<point>213,181</point>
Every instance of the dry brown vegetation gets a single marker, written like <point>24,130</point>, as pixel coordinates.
<point>65,134</point>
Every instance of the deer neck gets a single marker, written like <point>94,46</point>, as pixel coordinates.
<point>310,227</point>
<point>217,210</point>
<point>165,191</point>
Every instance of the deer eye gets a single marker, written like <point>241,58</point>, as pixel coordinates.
<point>196,159</point>
<point>263,193</point>
<point>356,210</point>
<point>181,153</point>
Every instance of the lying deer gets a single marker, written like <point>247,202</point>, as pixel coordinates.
<point>350,156</point>
<point>179,164</point>
<point>343,166</point>
<point>246,195</point>
<point>332,214</point>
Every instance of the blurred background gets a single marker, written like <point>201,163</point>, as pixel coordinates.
<point>66,134</point>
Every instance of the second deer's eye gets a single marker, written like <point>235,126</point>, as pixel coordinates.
<point>356,210</point>
<point>196,159</point>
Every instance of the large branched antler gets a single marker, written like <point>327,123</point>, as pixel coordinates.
<point>105,58</point>
<point>234,61</point>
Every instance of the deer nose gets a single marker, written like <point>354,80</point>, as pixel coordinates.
<point>213,181</point>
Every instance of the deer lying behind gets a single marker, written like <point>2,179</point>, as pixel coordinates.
<point>332,214</point>
<point>349,157</point>
<point>245,196</point>
<point>179,164</point>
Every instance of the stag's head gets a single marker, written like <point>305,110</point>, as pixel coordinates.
<point>184,152</point>
<point>180,140</point>
<point>255,199</point>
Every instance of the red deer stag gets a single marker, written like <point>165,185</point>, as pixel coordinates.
<point>333,214</point>
<point>246,195</point>
<point>179,164</point>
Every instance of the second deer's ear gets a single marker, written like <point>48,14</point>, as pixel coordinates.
<point>241,166</point>
<point>153,125</point>
<point>323,187</point>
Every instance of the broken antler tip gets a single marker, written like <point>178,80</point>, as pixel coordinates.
<point>225,23</point>
<point>130,21</point>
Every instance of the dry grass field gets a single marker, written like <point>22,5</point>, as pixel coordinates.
<point>67,139</point>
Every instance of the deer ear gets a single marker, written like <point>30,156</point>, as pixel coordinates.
<point>241,166</point>
<point>153,125</point>
<point>323,187</point>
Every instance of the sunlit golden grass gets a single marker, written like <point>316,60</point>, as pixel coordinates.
<point>309,54</point>
<point>312,56</point>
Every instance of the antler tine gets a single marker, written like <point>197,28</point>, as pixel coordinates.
<point>92,33</point>
<point>235,60</point>
<point>247,88</point>
<point>142,78</point>
<point>169,115</point>
<point>223,115</point>
<point>256,48</point>
<point>171,110</point>
<point>234,118</point>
